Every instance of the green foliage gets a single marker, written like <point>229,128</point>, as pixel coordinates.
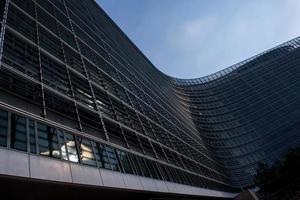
<point>281,174</point>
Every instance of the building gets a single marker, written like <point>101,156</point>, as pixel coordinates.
<point>84,113</point>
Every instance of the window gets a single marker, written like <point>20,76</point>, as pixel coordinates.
<point>144,167</point>
<point>27,6</point>
<point>112,158</point>
<point>67,36</point>
<point>50,43</point>
<point>115,133</point>
<point>176,177</point>
<point>24,89</point>
<point>165,172</point>
<point>100,62</point>
<point>136,164</point>
<point>73,59</point>
<point>21,55</point>
<point>18,133</point>
<point>81,90</point>
<point>27,27</point>
<point>32,139</point>
<point>109,83</point>
<point>62,145</point>
<point>60,105</point>
<point>47,6</point>
<point>101,155</point>
<point>132,140</point>
<point>3,128</point>
<point>135,122</point>
<point>48,141</point>
<point>86,51</point>
<point>152,169</point>
<point>94,74</point>
<point>147,126</point>
<point>71,147</point>
<point>55,75</point>
<point>158,170</point>
<point>86,151</point>
<point>159,151</point>
<point>125,162</point>
<point>91,122</point>
<point>61,17</point>
<point>104,103</point>
<point>147,146</point>
<point>121,93</point>
<point>47,20</point>
<point>120,111</point>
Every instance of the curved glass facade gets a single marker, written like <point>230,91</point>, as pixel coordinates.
<point>248,112</point>
<point>88,95</point>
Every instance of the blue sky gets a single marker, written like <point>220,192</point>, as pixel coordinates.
<point>194,38</point>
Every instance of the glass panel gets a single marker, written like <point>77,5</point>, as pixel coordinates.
<point>21,55</point>
<point>18,133</point>
<point>47,20</point>
<point>124,159</point>
<point>50,43</point>
<point>27,6</point>
<point>112,158</point>
<point>55,75</point>
<point>82,90</point>
<point>62,145</point>
<point>157,169</point>
<point>26,28</point>
<point>86,151</point>
<point>96,148</point>
<point>136,164</point>
<point>104,162</point>
<point>73,59</point>
<point>32,136</point>
<point>3,128</point>
<point>143,166</point>
<point>71,147</point>
<point>167,173</point>
<point>48,141</point>
<point>151,168</point>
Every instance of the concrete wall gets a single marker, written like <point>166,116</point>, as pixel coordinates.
<point>26,165</point>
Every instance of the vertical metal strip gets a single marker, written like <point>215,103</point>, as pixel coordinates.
<point>28,135</point>
<point>3,28</point>
<point>87,75</point>
<point>71,86</point>
<point>8,129</point>
<point>36,137</point>
<point>44,112</point>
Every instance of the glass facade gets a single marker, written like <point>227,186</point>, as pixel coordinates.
<point>65,61</point>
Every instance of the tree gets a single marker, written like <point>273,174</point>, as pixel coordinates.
<point>282,174</point>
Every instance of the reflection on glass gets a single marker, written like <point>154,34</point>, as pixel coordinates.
<point>18,133</point>
<point>71,147</point>
<point>32,136</point>
<point>112,158</point>
<point>48,141</point>
<point>62,144</point>
<point>102,156</point>
<point>124,159</point>
<point>86,151</point>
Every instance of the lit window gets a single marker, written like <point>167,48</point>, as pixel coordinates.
<point>48,141</point>
<point>71,147</point>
